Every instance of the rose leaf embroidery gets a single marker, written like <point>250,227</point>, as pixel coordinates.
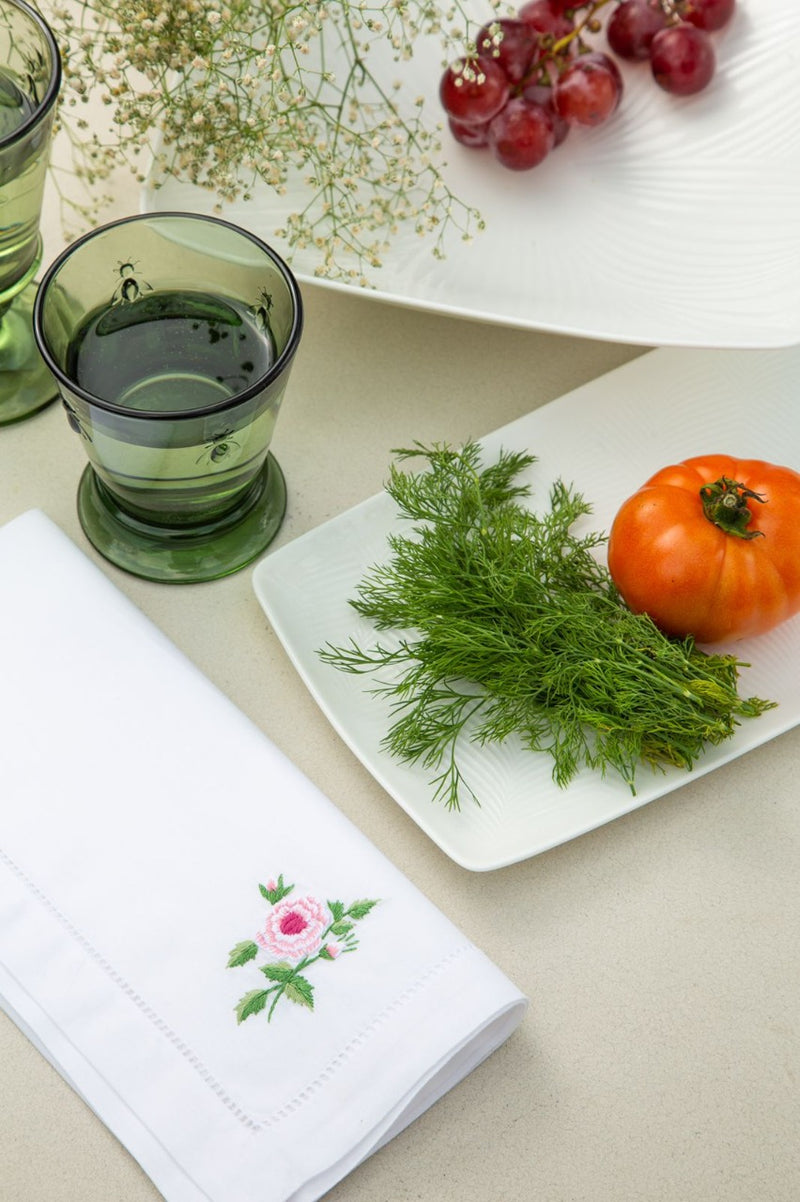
<point>301,991</point>
<point>242,953</point>
<point>251,1003</point>
<point>278,972</point>
<point>290,984</point>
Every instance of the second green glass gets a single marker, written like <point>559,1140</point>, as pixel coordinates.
<point>172,336</point>
<point>30,77</point>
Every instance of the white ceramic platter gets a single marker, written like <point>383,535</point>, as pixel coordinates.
<point>673,225</point>
<point>605,438</point>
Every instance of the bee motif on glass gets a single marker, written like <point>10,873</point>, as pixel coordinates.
<point>261,311</point>
<point>37,72</point>
<point>74,421</point>
<point>219,448</point>
<point>130,286</point>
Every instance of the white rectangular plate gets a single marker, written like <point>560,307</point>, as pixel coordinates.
<point>605,438</point>
<point>675,224</point>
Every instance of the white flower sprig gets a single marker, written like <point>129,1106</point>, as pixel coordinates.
<point>242,91</point>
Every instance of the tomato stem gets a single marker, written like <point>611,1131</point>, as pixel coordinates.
<point>725,504</point>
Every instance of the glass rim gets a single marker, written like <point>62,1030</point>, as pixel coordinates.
<point>53,84</point>
<point>237,398</point>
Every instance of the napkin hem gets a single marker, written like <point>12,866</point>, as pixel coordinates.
<point>132,995</point>
<point>244,1115</point>
<point>170,1176</point>
<point>168,1170</point>
<point>362,1037</point>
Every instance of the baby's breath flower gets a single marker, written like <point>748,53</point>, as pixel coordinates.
<point>245,90</point>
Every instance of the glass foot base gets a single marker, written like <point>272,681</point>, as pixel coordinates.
<point>183,555</point>
<point>26,385</point>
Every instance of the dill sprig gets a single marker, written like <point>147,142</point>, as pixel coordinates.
<point>507,622</point>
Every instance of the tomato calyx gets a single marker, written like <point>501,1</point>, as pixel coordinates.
<point>725,504</point>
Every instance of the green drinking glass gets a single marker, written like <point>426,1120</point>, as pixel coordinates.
<point>171,337</point>
<point>30,77</point>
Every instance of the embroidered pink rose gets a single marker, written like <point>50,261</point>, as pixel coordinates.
<point>299,933</point>
<point>294,928</point>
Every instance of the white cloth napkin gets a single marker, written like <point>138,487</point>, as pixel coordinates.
<point>239,984</point>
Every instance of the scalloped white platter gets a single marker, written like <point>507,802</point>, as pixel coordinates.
<point>675,224</point>
<point>605,438</point>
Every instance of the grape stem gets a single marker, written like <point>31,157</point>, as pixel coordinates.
<point>670,9</point>
<point>554,55</point>
<point>592,9</point>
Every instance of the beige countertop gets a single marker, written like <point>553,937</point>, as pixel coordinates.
<point>660,1057</point>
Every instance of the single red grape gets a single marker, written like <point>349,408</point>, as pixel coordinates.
<point>590,89</point>
<point>547,17</point>
<point>472,90</point>
<point>474,136</point>
<point>521,135</point>
<point>542,94</point>
<point>709,14</point>
<point>632,27</point>
<point>682,59</point>
<point>513,45</point>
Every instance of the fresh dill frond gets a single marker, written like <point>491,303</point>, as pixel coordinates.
<point>507,622</point>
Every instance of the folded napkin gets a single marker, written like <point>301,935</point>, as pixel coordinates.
<point>240,985</point>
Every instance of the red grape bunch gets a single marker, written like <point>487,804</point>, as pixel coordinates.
<point>530,78</point>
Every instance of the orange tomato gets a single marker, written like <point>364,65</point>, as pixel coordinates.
<point>711,548</point>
